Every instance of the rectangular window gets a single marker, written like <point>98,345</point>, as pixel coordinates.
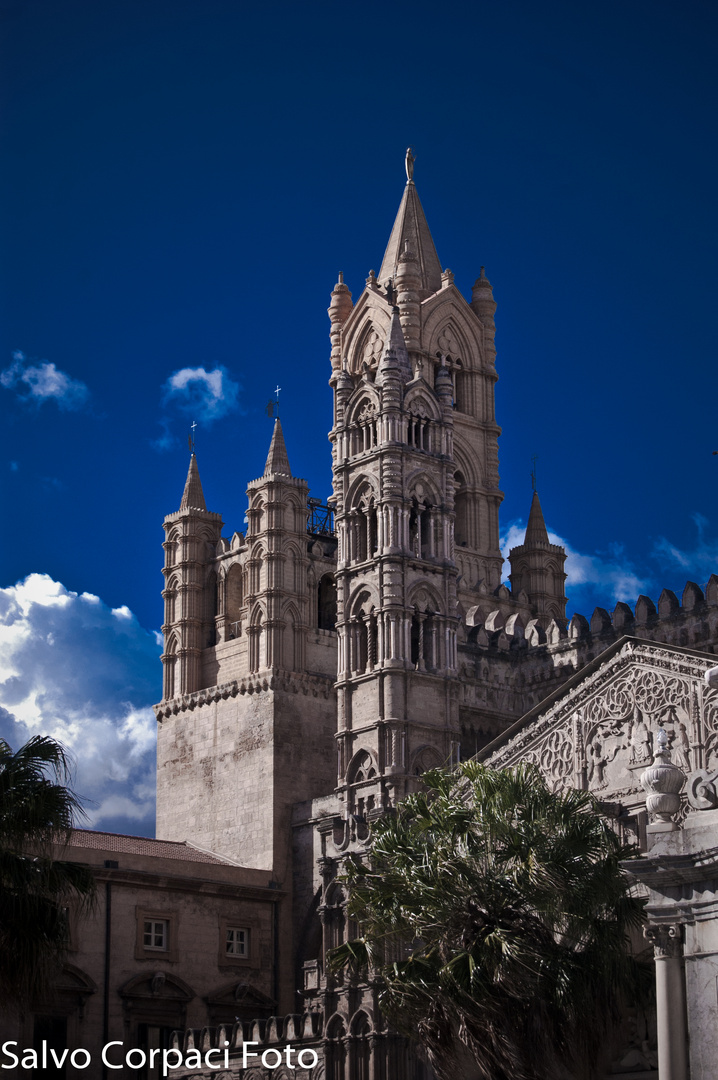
<point>156,934</point>
<point>237,941</point>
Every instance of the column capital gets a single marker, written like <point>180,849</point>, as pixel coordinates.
<point>666,939</point>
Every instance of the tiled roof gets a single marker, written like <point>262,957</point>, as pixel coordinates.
<point>143,845</point>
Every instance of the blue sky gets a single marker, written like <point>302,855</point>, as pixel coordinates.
<point>183,182</point>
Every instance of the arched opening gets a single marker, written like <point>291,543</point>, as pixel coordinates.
<point>257,646</point>
<point>327,603</point>
<point>361,1029</point>
<point>336,1049</point>
<point>233,593</point>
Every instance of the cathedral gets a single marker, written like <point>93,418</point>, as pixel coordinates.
<point>316,666</point>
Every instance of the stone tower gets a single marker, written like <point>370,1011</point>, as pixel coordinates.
<point>416,497</point>
<point>191,537</point>
<point>537,568</point>
<point>245,730</point>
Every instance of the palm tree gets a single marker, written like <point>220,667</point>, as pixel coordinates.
<point>37,810</point>
<point>497,917</point>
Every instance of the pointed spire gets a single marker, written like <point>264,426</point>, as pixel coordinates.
<point>411,225</point>
<point>536,532</point>
<point>193,496</point>
<point>395,359</point>
<point>277,459</point>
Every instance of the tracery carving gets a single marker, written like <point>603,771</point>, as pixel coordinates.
<point>604,728</point>
<point>556,757</point>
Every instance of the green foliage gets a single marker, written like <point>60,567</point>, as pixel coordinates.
<point>498,918</point>
<point>36,815</point>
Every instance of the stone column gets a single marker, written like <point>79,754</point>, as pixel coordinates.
<point>670,1000</point>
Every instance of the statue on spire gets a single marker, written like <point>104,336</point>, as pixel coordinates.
<point>410,159</point>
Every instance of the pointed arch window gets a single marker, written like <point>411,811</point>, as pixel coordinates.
<point>327,603</point>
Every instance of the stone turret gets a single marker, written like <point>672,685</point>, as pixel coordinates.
<point>483,303</point>
<point>537,568</point>
<point>190,592</point>
<point>338,312</point>
<point>277,563</point>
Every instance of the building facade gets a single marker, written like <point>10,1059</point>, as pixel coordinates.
<point>312,674</point>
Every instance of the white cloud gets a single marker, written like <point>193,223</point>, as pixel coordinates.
<point>42,381</point>
<point>611,572</point>
<point>205,395</point>
<point>198,394</point>
<point>73,669</point>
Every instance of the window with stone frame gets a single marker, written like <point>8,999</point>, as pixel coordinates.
<point>156,934</point>
<point>236,942</point>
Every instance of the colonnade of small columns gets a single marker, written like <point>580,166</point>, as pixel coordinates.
<point>373,639</point>
<point>421,433</point>
<point>421,530</point>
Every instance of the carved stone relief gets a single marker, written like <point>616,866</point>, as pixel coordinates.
<point>600,735</point>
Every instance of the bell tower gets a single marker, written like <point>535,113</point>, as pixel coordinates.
<point>415,465</point>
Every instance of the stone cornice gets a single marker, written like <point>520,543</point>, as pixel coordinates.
<point>271,680</point>
<point>661,872</point>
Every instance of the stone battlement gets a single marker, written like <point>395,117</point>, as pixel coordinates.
<point>691,622</point>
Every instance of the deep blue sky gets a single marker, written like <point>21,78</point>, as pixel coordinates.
<point>183,180</point>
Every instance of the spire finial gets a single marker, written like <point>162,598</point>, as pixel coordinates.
<point>193,496</point>
<point>277,460</point>
<point>190,438</point>
<point>410,159</point>
<point>534,459</point>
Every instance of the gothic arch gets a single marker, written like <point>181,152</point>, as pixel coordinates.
<point>365,395</point>
<point>426,757</point>
<point>362,1022</point>
<point>364,598</point>
<point>465,462</point>
<point>360,629</point>
<point>362,487</point>
<point>291,638</point>
<point>337,1025</point>
<point>430,492</point>
<point>363,766</point>
<point>257,638</point>
<point>233,593</point>
<point>419,395</point>
<point>327,602</point>
<point>173,583</point>
<point>361,520</point>
<point>425,598</point>
<point>366,319</point>
<point>462,325</point>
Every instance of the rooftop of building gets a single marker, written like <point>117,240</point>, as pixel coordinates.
<point>144,845</point>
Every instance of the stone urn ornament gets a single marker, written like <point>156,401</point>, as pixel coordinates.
<point>663,781</point>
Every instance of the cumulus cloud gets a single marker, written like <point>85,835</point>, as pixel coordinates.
<point>85,674</point>
<point>610,572</point>
<point>41,381</point>
<point>700,561</point>
<point>198,394</point>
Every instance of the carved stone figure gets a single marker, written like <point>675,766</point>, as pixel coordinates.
<point>642,742</point>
